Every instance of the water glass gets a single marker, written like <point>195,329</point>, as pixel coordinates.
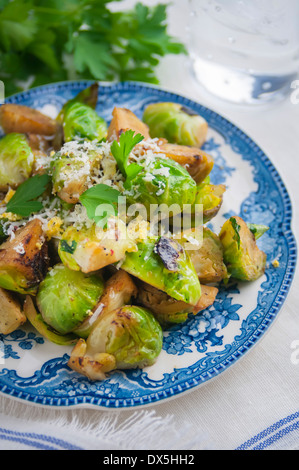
<point>245,51</point>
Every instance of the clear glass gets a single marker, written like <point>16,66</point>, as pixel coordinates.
<point>245,51</point>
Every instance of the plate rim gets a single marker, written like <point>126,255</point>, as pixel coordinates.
<point>278,301</point>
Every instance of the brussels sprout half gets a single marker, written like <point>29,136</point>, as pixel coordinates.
<point>176,123</point>
<point>16,161</point>
<point>43,328</point>
<point>211,198</point>
<point>169,311</point>
<point>164,181</point>
<point>66,298</point>
<point>208,259</point>
<point>24,260</point>
<point>83,122</point>
<point>125,338</point>
<point>152,266</point>
<point>244,260</point>
<point>71,168</point>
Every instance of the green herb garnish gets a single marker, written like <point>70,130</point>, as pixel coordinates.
<point>23,202</point>
<point>64,246</point>
<point>101,202</point>
<point>121,151</point>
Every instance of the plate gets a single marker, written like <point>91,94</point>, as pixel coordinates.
<point>34,370</point>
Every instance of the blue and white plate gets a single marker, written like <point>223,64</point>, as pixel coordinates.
<point>36,371</point>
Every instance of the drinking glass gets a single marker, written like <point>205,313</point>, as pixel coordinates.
<point>245,51</point>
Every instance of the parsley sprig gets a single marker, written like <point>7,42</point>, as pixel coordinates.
<point>24,201</point>
<point>121,151</point>
<point>43,41</point>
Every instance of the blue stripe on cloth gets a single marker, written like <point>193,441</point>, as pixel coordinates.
<point>264,440</point>
<point>37,440</point>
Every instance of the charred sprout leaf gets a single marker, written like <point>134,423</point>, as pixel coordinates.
<point>169,252</point>
<point>146,265</point>
<point>258,230</point>
<point>121,151</point>
<point>66,298</point>
<point>243,259</point>
<point>23,201</point>
<point>16,161</point>
<point>176,124</point>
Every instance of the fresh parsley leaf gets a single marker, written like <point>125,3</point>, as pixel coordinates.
<point>23,202</point>
<point>237,229</point>
<point>121,151</point>
<point>101,202</point>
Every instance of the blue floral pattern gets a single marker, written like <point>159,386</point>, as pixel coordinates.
<point>206,344</point>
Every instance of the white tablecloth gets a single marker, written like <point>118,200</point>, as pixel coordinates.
<point>255,403</point>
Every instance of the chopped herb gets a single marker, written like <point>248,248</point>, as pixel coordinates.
<point>64,246</point>
<point>237,229</point>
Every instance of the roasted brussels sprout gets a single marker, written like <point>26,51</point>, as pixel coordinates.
<point>16,161</point>
<point>118,291</point>
<point>43,328</point>
<point>126,338</point>
<point>198,163</point>
<point>163,181</point>
<point>176,123</point>
<point>11,315</point>
<point>23,120</point>
<point>24,260</point>
<point>244,260</point>
<point>71,169</point>
<point>170,311</point>
<point>123,119</point>
<point>66,298</point>
<point>91,249</point>
<point>211,198</point>
<point>83,122</point>
<point>88,96</point>
<point>164,264</point>
<point>208,259</point>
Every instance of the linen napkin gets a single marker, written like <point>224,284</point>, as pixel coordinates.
<point>26,427</point>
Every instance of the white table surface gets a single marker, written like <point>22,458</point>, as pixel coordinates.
<point>263,387</point>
